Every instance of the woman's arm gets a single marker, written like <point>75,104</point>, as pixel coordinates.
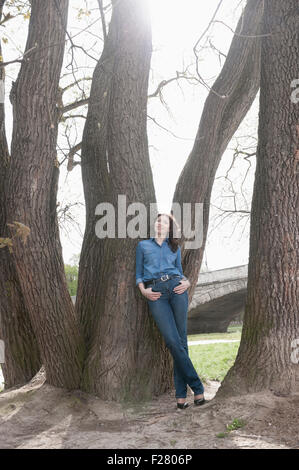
<point>184,282</point>
<point>139,265</point>
<point>141,288</point>
<point>139,276</point>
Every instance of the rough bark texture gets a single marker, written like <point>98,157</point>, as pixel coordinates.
<point>238,82</point>
<point>272,305</point>
<point>31,197</point>
<point>126,354</point>
<point>22,359</point>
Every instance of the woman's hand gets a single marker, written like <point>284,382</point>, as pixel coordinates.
<point>151,295</point>
<point>184,284</point>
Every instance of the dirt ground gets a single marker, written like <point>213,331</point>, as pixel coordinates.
<point>39,415</point>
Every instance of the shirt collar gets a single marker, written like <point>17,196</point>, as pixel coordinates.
<point>166,240</point>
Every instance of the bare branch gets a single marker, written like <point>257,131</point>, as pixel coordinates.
<point>167,130</point>
<point>24,56</point>
<point>74,105</point>
<point>64,118</point>
<point>63,90</point>
<point>71,155</point>
<point>202,81</point>
<point>179,75</point>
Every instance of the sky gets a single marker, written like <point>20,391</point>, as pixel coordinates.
<point>176,27</point>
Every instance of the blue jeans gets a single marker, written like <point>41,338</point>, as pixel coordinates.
<point>170,315</point>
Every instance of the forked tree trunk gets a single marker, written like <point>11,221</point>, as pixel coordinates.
<point>126,355</point>
<point>22,358</point>
<point>31,197</point>
<point>238,82</point>
<point>271,320</point>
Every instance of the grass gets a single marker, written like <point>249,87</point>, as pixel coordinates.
<point>233,332</point>
<point>235,424</point>
<point>212,361</point>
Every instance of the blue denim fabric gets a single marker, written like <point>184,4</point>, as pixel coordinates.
<point>153,260</point>
<point>170,315</point>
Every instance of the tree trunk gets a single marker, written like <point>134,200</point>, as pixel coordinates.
<point>238,83</point>
<point>127,357</point>
<point>22,358</point>
<point>31,197</point>
<point>272,304</point>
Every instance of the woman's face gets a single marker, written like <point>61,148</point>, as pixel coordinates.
<point>162,226</point>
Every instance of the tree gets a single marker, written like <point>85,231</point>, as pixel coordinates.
<point>226,105</point>
<point>271,322</point>
<point>125,355</point>
<point>31,197</point>
<point>22,357</point>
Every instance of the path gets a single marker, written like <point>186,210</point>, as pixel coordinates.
<point>210,341</point>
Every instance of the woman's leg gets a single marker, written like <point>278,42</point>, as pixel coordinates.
<point>163,315</point>
<point>179,378</point>
<point>179,305</point>
<point>179,381</point>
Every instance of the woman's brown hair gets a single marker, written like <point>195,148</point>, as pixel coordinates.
<point>174,242</point>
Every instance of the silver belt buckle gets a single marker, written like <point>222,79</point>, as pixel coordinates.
<point>166,277</point>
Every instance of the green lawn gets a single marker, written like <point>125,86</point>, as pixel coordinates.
<point>212,361</point>
<point>233,332</point>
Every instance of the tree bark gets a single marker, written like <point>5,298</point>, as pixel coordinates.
<point>238,83</point>
<point>127,358</point>
<point>22,358</point>
<point>31,197</point>
<point>271,318</point>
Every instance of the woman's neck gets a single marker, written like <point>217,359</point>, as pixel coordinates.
<point>160,239</point>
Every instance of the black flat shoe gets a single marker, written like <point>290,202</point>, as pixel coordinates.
<point>182,406</point>
<point>199,401</point>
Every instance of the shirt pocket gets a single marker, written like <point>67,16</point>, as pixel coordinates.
<point>171,257</point>
<point>149,255</point>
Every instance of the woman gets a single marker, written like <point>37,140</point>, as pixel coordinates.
<point>160,278</point>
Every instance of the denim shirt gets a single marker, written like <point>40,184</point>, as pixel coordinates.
<point>153,260</point>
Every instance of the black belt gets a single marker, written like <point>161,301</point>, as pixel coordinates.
<point>165,277</point>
